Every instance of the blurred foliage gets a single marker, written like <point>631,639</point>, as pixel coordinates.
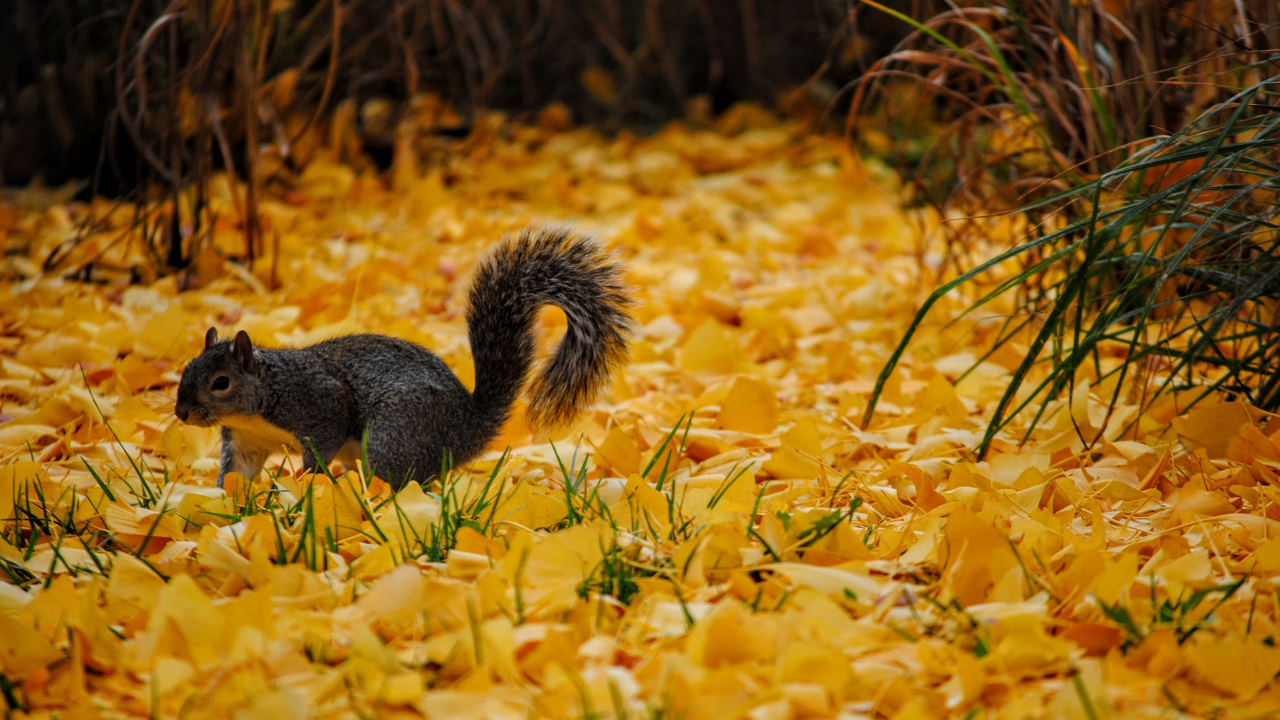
<point>128,92</point>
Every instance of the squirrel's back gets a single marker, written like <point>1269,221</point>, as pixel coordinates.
<point>416,409</point>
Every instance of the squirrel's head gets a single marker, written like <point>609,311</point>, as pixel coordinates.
<point>222,381</point>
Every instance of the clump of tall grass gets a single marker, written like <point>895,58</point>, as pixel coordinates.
<point>1169,261</point>
<point>1137,142</point>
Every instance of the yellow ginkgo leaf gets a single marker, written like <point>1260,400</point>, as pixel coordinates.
<point>750,407</point>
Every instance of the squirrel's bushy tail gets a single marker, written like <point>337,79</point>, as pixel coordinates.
<point>552,266</point>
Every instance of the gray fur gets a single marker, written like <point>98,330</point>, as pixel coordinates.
<point>415,409</point>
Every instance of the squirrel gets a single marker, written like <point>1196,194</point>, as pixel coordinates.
<point>322,399</point>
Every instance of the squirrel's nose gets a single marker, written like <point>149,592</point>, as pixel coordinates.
<point>182,412</point>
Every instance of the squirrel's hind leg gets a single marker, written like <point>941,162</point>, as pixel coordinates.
<point>316,456</point>
<point>392,461</point>
<point>420,427</point>
<point>400,454</point>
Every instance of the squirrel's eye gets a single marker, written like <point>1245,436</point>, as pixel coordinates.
<point>222,382</point>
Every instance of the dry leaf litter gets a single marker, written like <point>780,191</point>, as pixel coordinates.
<point>720,539</point>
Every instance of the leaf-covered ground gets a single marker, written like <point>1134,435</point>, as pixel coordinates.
<point>721,539</point>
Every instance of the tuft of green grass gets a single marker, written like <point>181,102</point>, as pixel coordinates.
<point>457,511</point>
<point>1178,614</point>
<point>827,524</point>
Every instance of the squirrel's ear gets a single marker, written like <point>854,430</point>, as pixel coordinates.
<point>243,349</point>
<point>210,338</point>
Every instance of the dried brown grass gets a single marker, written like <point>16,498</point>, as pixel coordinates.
<point>999,103</point>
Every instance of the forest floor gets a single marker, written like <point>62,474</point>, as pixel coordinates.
<point>721,538</point>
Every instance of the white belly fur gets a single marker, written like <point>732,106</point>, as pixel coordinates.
<point>251,432</point>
